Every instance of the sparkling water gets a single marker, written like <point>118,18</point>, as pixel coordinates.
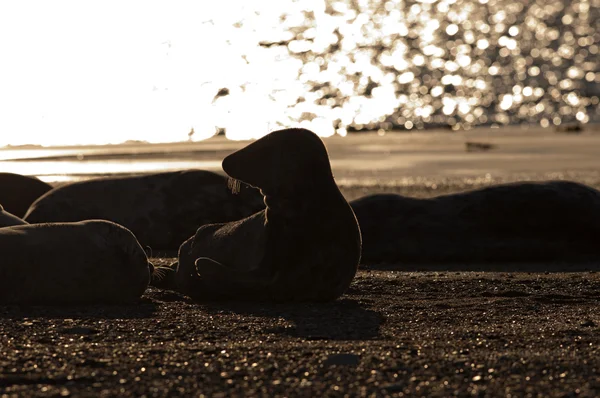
<point>411,64</point>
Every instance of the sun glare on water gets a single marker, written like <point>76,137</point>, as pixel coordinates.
<point>76,72</point>
<point>106,72</point>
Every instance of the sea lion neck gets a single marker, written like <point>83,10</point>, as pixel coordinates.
<point>301,201</point>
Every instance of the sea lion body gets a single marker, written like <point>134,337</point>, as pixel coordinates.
<point>518,222</point>
<point>18,192</point>
<point>305,246</point>
<point>87,262</point>
<point>8,220</point>
<point>161,209</point>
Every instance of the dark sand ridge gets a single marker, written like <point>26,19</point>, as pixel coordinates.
<point>416,333</point>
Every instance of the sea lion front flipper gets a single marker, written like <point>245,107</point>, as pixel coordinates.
<point>207,267</point>
<point>212,270</point>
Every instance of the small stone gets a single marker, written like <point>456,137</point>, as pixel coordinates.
<point>342,359</point>
<point>394,387</point>
<point>588,323</point>
<point>79,330</point>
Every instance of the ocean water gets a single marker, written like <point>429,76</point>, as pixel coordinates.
<point>167,73</point>
<point>461,63</point>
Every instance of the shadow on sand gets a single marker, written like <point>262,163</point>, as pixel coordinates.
<point>343,319</point>
<point>143,308</point>
<point>487,267</point>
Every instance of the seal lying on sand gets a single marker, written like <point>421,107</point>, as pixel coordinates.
<point>305,246</point>
<point>18,192</point>
<point>71,263</point>
<point>7,219</point>
<point>518,222</point>
<point>161,209</point>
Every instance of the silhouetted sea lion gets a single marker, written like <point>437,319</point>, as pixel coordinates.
<point>7,219</point>
<point>518,222</point>
<point>305,246</point>
<point>161,209</point>
<point>18,192</point>
<point>87,262</point>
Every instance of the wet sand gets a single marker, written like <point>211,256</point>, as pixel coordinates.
<point>365,159</point>
<point>434,330</point>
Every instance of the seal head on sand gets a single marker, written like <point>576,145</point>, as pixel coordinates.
<point>519,222</point>
<point>305,246</point>
<point>18,192</point>
<point>86,262</point>
<point>161,209</point>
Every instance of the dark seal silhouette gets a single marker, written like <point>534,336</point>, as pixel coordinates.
<point>7,219</point>
<point>305,246</point>
<point>161,209</point>
<point>18,192</point>
<point>88,262</point>
<point>518,222</point>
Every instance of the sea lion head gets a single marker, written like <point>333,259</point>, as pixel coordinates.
<point>18,192</point>
<point>282,161</point>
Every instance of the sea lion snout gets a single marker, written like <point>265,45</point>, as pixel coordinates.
<point>249,168</point>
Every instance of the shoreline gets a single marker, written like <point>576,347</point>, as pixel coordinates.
<point>359,159</point>
<point>219,140</point>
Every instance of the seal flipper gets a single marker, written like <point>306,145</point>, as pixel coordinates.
<point>211,270</point>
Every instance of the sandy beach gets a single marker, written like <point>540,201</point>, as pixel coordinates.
<point>432,98</point>
<point>432,330</point>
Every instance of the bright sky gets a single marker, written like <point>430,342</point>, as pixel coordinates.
<point>80,72</point>
<point>94,72</point>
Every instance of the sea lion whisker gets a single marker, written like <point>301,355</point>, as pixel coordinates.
<point>234,185</point>
<point>148,251</point>
<point>159,274</point>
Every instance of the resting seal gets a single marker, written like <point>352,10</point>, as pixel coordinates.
<point>18,192</point>
<point>7,219</point>
<point>305,246</point>
<point>161,209</point>
<point>518,222</point>
<point>87,262</point>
